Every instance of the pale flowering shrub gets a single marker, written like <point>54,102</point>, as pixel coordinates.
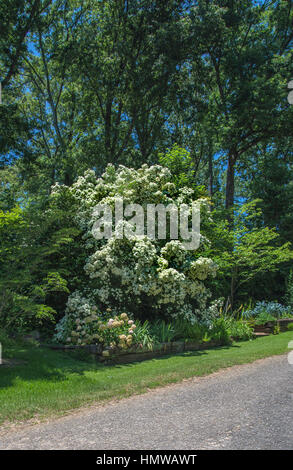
<point>117,332</point>
<point>79,308</point>
<point>148,278</point>
<point>84,325</point>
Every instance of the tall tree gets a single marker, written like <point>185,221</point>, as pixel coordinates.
<point>246,62</point>
<point>97,79</point>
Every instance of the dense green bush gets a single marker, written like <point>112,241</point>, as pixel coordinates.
<point>239,330</point>
<point>263,318</point>
<point>38,253</point>
<point>6,341</point>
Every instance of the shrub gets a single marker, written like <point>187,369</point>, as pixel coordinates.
<point>6,341</point>
<point>83,325</point>
<point>273,309</point>
<point>239,330</point>
<point>263,318</point>
<point>220,331</point>
<point>35,244</point>
<point>276,330</point>
<point>150,278</point>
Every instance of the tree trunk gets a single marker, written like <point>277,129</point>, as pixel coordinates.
<point>232,288</point>
<point>230,185</point>
<point>211,177</point>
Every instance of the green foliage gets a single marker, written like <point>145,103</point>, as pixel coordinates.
<point>271,182</point>
<point>289,291</point>
<point>264,318</point>
<point>220,331</point>
<point>34,260</point>
<point>277,330</point>
<point>247,251</point>
<point>184,330</point>
<point>143,336</point>
<point>163,332</point>
<point>6,341</point>
<point>180,163</point>
<point>44,312</point>
<point>239,330</point>
<point>55,283</point>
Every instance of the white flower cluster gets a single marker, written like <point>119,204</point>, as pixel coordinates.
<point>202,268</point>
<point>139,272</point>
<point>79,306</point>
<point>80,312</point>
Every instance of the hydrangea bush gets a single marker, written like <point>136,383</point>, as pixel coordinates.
<point>84,325</point>
<point>147,278</point>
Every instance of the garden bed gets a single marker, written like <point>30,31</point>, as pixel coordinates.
<point>270,326</point>
<point>139,353</point>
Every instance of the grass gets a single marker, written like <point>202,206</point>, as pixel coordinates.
<point>52,382</point>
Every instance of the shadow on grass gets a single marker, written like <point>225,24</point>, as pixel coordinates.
<point>43,364</point>
<point>159,357</point>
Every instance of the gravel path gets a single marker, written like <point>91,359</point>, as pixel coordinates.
<point>244,407</point>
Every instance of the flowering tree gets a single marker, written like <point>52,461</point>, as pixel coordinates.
<point>149,278</point>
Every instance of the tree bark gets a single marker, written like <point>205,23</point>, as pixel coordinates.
<point>230,185</point>
<point>211,176</point>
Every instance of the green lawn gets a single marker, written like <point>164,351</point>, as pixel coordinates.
<point>52,382</point>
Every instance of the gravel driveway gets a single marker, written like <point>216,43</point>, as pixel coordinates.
<point>244,407</point>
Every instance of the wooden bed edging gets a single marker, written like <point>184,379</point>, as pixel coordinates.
<point>270,326</point>
<point>135,355</point>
